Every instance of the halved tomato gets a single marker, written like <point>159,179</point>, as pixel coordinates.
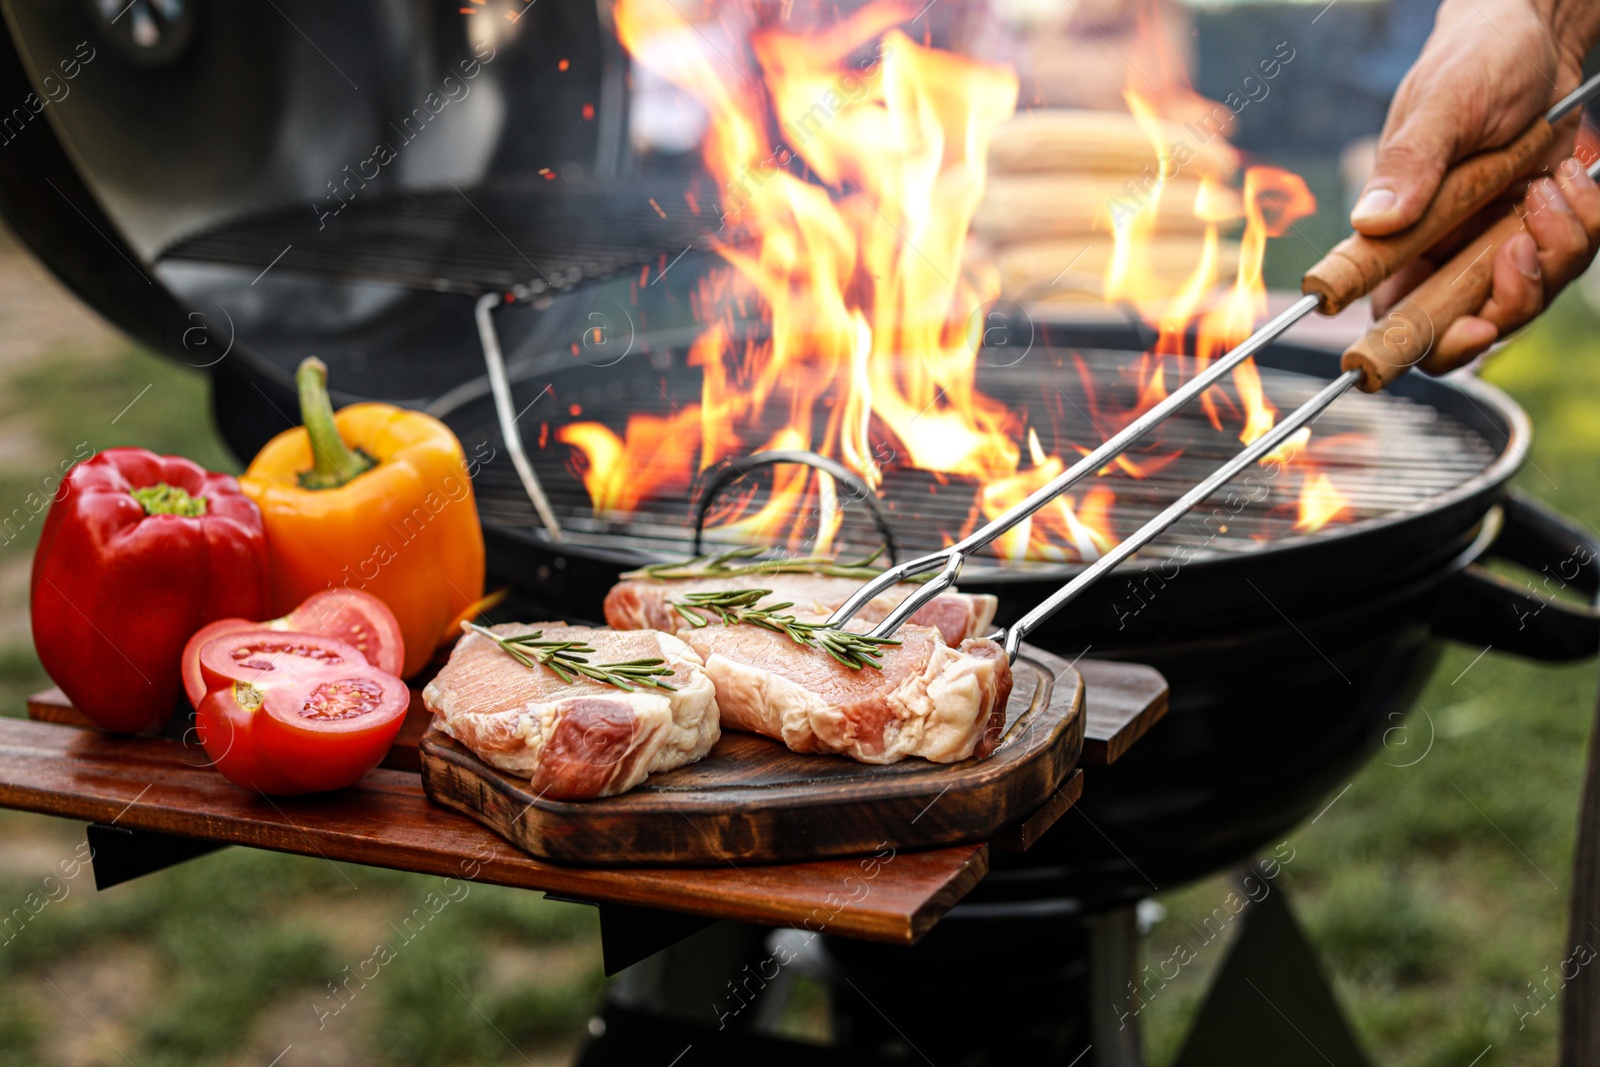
<point>349,615</point>
<point>356,618</point>
<point>257,656</point>
<point>194,685</point>
<point>289,713</point>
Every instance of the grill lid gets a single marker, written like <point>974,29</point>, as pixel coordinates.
<point>546,236</point>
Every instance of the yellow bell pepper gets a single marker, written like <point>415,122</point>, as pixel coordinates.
<point>375,498</point>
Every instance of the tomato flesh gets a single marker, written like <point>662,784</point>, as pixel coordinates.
<point>258,656</point>
<point>348,698</point>
<point>359,619</point>
<point>356,618</point>
<point>289,713</point>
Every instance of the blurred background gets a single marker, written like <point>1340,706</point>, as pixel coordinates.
<point>1434,887</point>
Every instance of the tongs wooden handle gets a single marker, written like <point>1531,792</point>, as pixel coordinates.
<point>1405,336</point>
<point>1358,264</point>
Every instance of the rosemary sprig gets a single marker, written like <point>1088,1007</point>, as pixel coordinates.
<point>724,565</point>
<point>735,606</point>
<point>570,658</point>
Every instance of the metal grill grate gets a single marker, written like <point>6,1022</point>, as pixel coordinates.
<point>1384,453</point>
<point>471,241</point>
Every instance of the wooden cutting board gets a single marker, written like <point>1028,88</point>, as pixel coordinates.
<point>752,800</point>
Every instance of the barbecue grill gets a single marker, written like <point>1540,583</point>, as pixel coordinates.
<point>1214,603</point>
<point>196,192</point>
<point>255,242</point>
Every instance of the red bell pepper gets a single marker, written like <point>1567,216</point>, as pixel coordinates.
<point>138,552</point>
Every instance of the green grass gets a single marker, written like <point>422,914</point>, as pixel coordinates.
<point>236,933</point>
<point>1430,922</point>
<point>135,398</point>
<point>20,675</point>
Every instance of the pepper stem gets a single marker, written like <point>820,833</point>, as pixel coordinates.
<point>333,463</point>
<point>164,499</point>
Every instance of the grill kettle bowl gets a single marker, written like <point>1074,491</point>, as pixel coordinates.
<point>1268,721</point>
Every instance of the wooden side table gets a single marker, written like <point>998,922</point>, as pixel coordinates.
<point>152,802</point>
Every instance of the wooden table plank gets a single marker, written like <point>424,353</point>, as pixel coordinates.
<point>1121,701</point>
<point>52,705</point>
<point>386,821</point>
<point>1019,837</point>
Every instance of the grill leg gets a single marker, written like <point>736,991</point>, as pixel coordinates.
<point>1113,961</point>
<point>1580,1006</point>
<point>1271,1001</point>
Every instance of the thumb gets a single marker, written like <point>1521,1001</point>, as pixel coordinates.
<point>1411,161</point>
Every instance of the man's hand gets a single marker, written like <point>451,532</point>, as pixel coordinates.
<point>1488,70</point>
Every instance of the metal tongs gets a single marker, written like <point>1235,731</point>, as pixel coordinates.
<point>1350,271</point>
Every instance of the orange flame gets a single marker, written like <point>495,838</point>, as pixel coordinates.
<point>858,269</point>
<point>1056,531</point>
<point>1133,222</point>
<point>851,162</point>
<point>1320,503</point>
<point>1274,199</point>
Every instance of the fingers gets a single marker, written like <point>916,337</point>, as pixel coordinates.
<point>1517,296</point>
<point>1397,285</point>
<point>1562,216</point>
<point>1464,341</point>
<point>1411,161</point>
<point>1518,293</point>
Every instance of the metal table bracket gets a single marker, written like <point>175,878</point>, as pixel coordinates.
<point>629,934</point>
<point>120,854</point>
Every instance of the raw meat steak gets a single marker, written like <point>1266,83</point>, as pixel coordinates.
<point>577,739</point>
<point>644,603</point>
<point>930,700</point>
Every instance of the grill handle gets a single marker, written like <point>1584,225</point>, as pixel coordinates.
<point>1480,607</point>
<point>732,469</point>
